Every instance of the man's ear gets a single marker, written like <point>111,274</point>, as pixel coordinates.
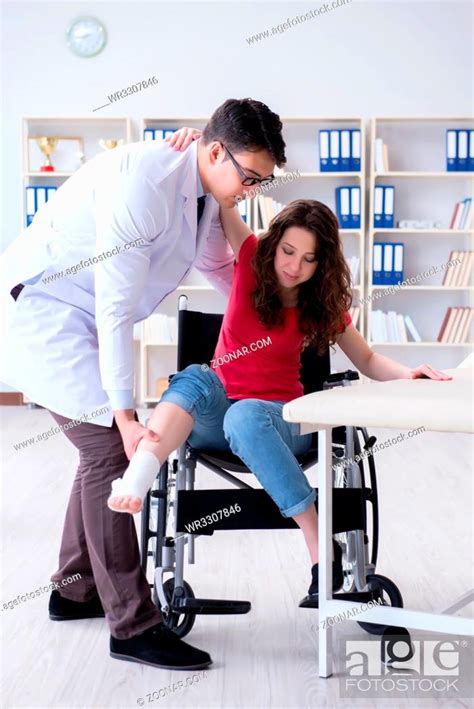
<point>216,152</point>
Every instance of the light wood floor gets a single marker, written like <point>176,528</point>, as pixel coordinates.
<point>267,658</point>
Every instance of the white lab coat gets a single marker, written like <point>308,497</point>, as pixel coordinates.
<point>68,343</point>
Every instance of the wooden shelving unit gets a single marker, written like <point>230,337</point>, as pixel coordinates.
<point>433,191</point>
<point>90,130</point>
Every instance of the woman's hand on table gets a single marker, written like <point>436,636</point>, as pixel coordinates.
<point>182,138</point>
<point>426,371</point>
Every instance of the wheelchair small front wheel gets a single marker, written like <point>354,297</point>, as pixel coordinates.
<point>179,623</point>
<point>384,590</point>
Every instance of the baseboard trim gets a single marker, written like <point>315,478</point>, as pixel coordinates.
<point>11,398</point>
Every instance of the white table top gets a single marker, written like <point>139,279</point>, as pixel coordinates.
<point>399,403</point>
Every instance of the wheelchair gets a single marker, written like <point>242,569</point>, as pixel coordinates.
<point>172,505</point>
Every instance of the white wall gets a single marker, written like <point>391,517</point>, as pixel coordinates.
<point>365,58</point>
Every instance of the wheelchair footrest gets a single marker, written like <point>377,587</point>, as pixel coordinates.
<point>210,606</point>
<point>359,597</point>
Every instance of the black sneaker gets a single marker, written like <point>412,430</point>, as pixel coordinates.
<point>61,608</point>
<point>337,573</point>
<point>159,647</point>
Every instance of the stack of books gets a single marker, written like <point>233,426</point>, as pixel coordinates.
<point>460,273</point>
<point>267,208</point>
<point>461,217</point>
<point>354,312</point>
<point>392,327</point>
<point>381,156</point>
<point>354,263</point>
<point>456,325</point>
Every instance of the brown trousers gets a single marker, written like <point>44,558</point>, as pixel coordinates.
<point>99,544</point>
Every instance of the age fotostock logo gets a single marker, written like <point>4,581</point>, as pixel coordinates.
<point>387,668</point>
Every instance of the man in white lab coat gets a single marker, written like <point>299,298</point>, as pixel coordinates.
<point>99,256</point>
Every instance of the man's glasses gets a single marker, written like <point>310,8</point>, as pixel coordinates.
<point>247,181</point>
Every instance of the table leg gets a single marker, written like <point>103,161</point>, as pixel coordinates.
<point>325,550</point>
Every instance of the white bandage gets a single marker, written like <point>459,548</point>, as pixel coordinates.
<point>139,476</point>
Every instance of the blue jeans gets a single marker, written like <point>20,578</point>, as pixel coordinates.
<point>252,429</point>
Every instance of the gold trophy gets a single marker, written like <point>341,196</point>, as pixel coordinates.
<point>47,146</point>
<point>110,144</point>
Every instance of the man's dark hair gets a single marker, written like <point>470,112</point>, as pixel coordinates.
<point>245,125</point>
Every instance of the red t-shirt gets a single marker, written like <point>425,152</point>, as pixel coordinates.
<point>251,360</point>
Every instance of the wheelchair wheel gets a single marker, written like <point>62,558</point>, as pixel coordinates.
<point>384,590</point>
<point>179,623</point>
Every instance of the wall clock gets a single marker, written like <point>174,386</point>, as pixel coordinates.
<point>86,37</point>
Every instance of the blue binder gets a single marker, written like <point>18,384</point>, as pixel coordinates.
<point>343,207</point>
<point>470,161</point>
<point>345,150</point>
<point>377,263</point>
<point>463,150</point>
<point>355,208</point>
<point>387,268</point>
<point>324,151</point>
<point>49,192</point>
<point>36,196</point>
<point>378,207</point>
<point>334,150</point>
<point>388,206</point>
<point>355,150</point>
<point>451,150</point>
<point>398,258</point>
<point>30,204</point>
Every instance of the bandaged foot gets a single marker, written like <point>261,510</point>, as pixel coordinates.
<point>129,491</point>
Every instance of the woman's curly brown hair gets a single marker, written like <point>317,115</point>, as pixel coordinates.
<point>323,299</point>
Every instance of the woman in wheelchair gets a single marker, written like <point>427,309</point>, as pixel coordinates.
<point>291,288</point>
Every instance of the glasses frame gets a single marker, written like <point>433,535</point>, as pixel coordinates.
<point>248,181</point>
